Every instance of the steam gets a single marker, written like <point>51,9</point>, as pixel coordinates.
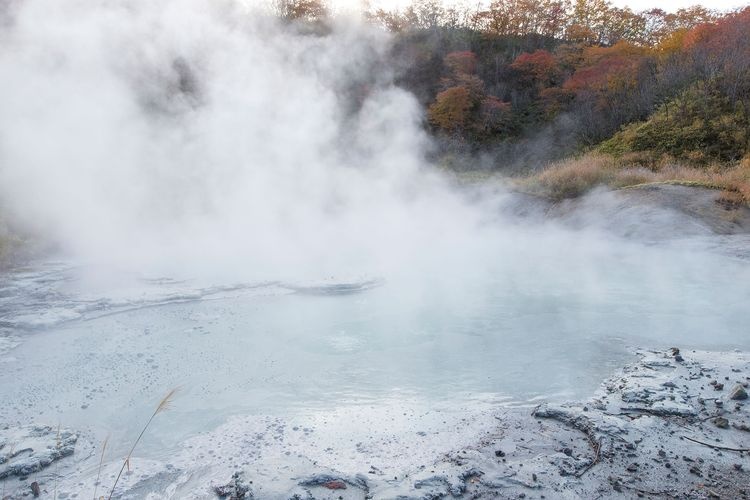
<point>198,137</point>
<point>185,133</point>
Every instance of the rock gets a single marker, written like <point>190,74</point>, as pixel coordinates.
<point>36,448</point>
<point>335,485</point>
<point>336,482</point>
<point>718,386</point>
<point>35,489</point>
<point>721,422</point>
<point>235,489</point>
<point>738,393</point>
<point>499,453</point>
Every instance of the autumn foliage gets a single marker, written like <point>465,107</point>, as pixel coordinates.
<point>464,107</point>
<point>538,67</point>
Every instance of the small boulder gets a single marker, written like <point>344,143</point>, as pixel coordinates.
<point>721,422</point>
<point>738,392</point>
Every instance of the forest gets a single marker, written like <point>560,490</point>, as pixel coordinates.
<point>518,85</point>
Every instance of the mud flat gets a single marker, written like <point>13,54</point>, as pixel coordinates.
<point>670,425</point>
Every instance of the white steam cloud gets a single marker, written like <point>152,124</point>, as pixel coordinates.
<point>200,138</point>
<point>199,133</point>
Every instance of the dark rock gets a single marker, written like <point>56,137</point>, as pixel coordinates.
<point>471,473</point>
<point>35,489</point>
<point>738,392</point>
<point>718,386</point>
<point>499,453</point>
<point>721,422</point>
<point>235,489</point>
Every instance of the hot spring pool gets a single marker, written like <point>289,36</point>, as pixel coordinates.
<point>389,350</point>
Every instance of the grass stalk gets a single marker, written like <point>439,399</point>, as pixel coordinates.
<point>164,405</point>
<point>101,462</point>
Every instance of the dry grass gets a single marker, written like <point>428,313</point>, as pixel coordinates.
<point>163,405</point>
<point>101,462</point>
<point>574,177</point>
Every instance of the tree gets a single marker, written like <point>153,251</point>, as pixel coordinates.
<point>301,10</point>
<point>539,67</point>
<point>588,21</point>
<point>523,17</point>
<point>424,14</point>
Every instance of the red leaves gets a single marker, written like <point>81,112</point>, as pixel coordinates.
<point>606,68</point>
<point>540,66</point>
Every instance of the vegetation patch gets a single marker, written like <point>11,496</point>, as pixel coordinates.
<point>574,177</point>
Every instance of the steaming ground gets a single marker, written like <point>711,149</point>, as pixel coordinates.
<point>243,210</point>
<point>285,378</point>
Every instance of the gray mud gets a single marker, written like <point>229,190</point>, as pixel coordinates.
<point>671,425</point>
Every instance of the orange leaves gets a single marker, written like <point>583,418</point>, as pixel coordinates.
<point>454,107</point>
<point>604,75</point>
<point>606,68</point>
<point>625,50</point>
<point>464,106</point>
<point>451,109</point>
<point>673,43</point>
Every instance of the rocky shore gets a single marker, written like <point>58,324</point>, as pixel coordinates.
<point>674,424</point>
